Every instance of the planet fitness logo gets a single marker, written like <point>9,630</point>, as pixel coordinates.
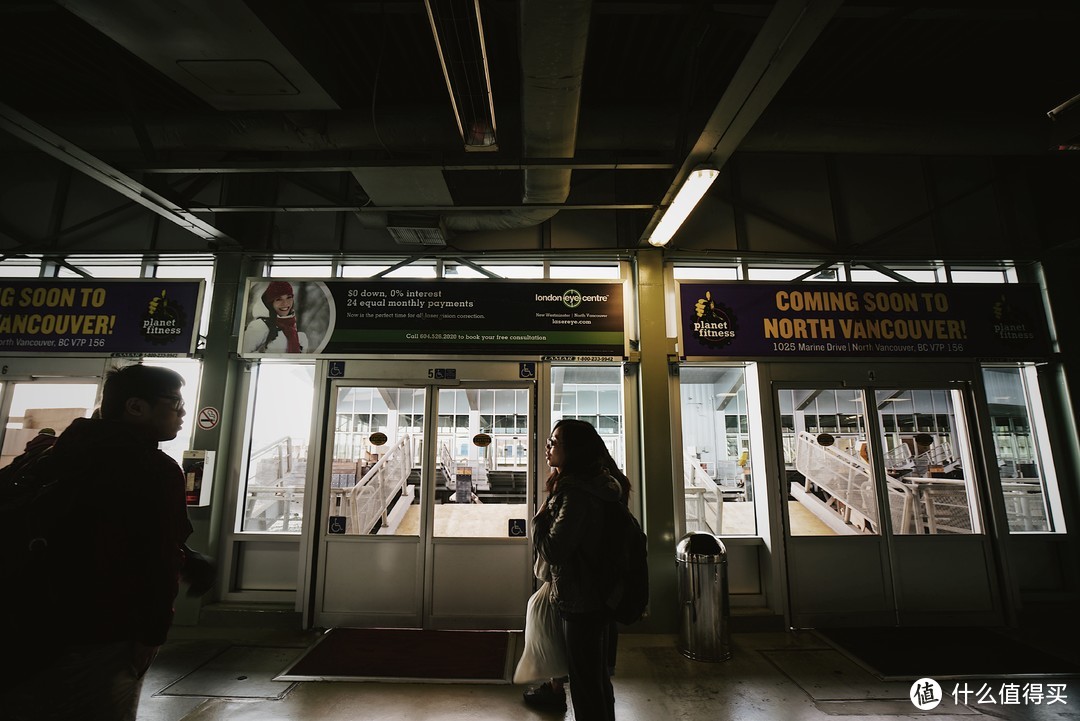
<point>164,320</point>
<point>715,324</point>
<point>1010,324</point>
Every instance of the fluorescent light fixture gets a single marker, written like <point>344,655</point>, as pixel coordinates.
<point>685,200</point>
<point>458,30</point>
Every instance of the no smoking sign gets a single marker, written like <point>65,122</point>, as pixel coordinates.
<point>208,418</point>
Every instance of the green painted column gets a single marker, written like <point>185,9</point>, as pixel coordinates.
<point>657,464</point>
<point>220,374</point>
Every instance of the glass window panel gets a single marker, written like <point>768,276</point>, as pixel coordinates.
<point>930,488</point>
<point>479,489</point>
<point>774,273</point>
<point>374,485</point>
<point>862,275</point>
<point>272,498</point>
<point>717,475</point>
<point>413,271</point>
<point>461,271</point>
<point>362,271</point>
<point>37,405</point>
<point>1025,463</point>
<point>978,276</point>
<point>600,272</point>
<point>517,271</point>
<point>587,401</point>
<point>323,270</point>
<point>701,273</point>
<point>603,385</point>
<point>505,401</point>
<point>831,481</point>
<point>13,270</point>
<point>610,401</point>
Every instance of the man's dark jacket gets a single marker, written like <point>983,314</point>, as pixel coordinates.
<point>125,546</point>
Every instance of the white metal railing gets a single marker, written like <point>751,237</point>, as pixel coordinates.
<point>703,498</point>
<point>917,504</point>
<point>446,460</point>
<point>369,500</point>
<point>1025,505</point>
<point>899,457</point>
<point>275,487</point>
<point>847,481</point>
<point>844,477</point>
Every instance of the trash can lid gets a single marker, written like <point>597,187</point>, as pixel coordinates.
<point>698,546</point>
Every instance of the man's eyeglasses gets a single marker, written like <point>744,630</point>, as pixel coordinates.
<point>177,402</point>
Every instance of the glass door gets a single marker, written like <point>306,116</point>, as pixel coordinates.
<point>424,516</point>
<point>883,503</point>
<point>43,396</point>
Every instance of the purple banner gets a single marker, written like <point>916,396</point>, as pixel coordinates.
<point>862,320</point>
<point>106,317</point>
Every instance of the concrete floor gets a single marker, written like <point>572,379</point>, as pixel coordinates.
<point>213,674</point>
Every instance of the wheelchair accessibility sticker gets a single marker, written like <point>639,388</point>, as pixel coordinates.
<point>526,370</point>
<point>516,528</point>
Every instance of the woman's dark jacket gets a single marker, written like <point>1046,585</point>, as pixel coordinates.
<point>569,533</point>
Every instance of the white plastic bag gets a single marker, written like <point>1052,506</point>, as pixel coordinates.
<point>544,656</point>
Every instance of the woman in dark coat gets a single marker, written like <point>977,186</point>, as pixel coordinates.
<point>569,533</point>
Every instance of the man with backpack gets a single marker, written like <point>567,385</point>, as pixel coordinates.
<point>105,522</point>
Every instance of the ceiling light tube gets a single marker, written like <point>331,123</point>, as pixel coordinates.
<point>685,200</point>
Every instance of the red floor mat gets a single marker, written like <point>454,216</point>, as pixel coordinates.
<point>401,653</point>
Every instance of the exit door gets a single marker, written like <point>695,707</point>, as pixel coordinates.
<point>884,497</point>
<point>426,491</point>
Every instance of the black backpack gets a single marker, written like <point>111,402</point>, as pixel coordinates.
<point>37,509</point>
<point>628,599</point>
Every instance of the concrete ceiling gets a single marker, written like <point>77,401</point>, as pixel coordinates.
<point>132,90</point>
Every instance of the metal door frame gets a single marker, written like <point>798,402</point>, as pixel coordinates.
<point>405,373</point>
<point>892,549</point>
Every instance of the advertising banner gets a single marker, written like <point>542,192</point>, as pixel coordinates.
<point>1005,322</point>
<point>110,317</point>
<point>567,319</point>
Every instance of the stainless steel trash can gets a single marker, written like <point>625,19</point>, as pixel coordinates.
<point>704,630</point>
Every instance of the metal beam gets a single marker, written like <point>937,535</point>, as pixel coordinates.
<point>51,144</point>
<point>412,208</point>
<point>785,37</point>
<point>321,166</point>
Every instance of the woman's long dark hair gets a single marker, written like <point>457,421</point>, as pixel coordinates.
<point>585,454</point>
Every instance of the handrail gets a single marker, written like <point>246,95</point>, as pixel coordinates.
<point>287,440</point>
<point>285,459</point>
<point>694,476</point>
<point>844,476</point>
<point>370,497</point>
<point>697,475</point>
<point>447,460</point>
